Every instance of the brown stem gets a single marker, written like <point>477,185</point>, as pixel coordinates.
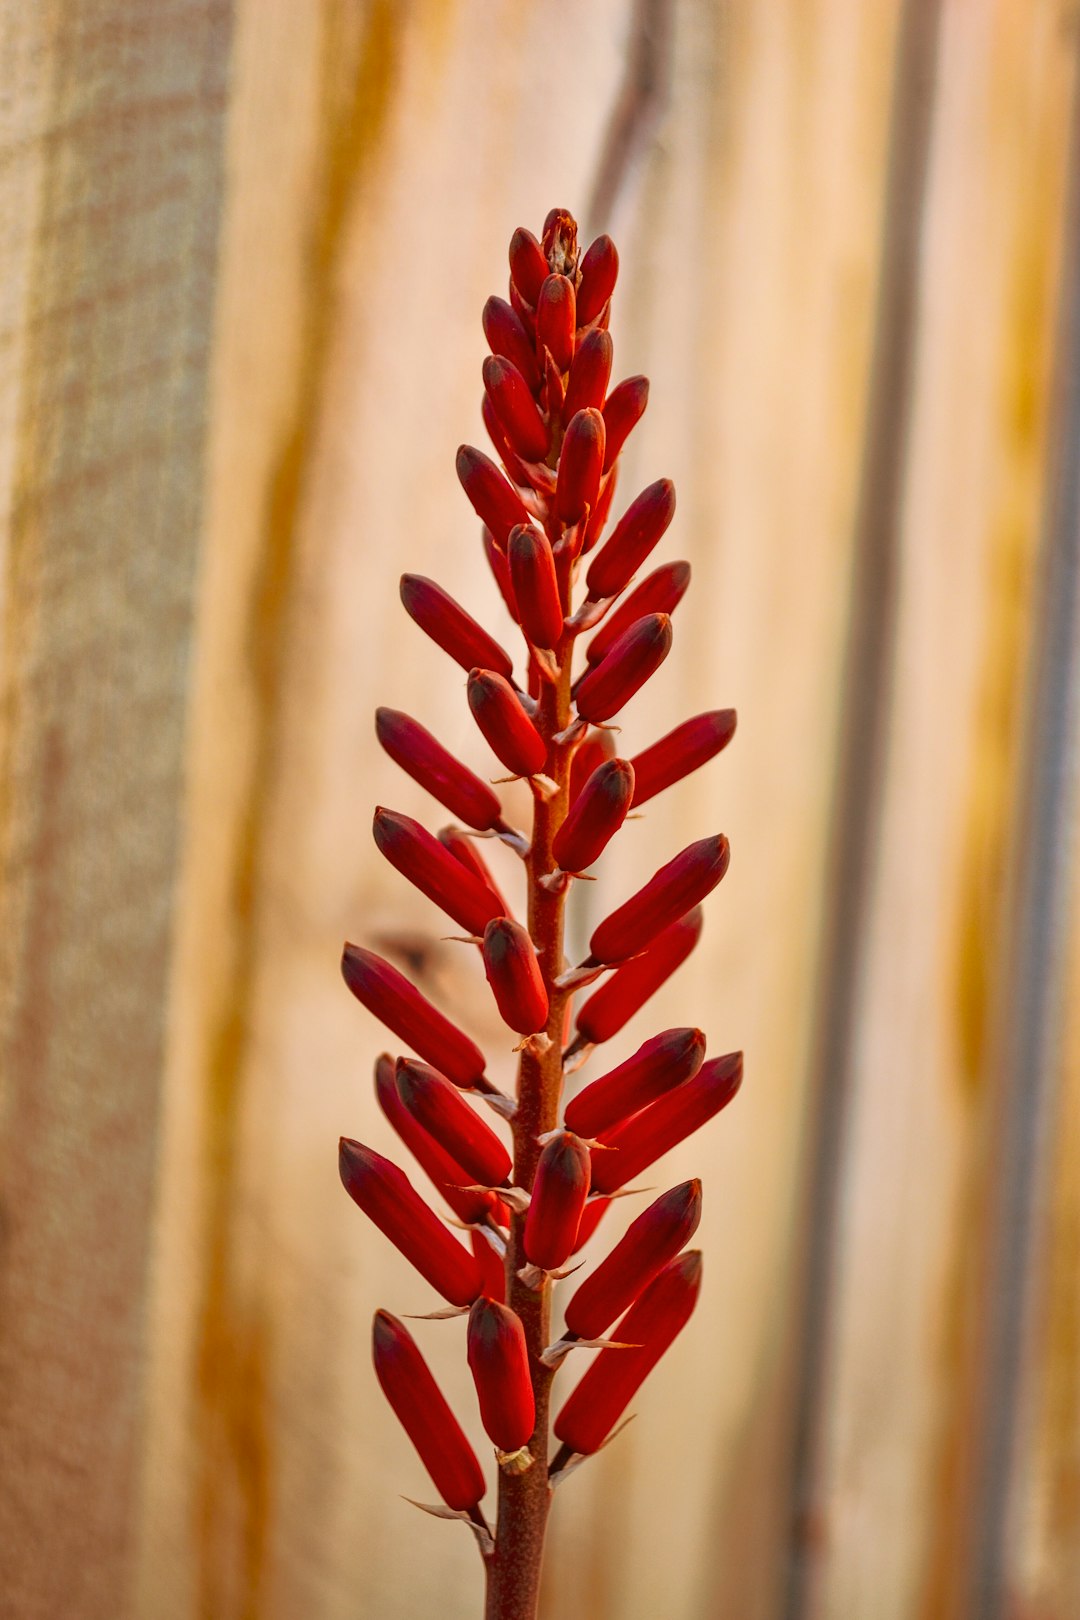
<point>524,1499</point>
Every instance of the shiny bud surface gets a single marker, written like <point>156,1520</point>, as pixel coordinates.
<point>556,320</point>
<point>506,728</point>
<point>515,407</point>
<point>443,1112</point>
<point>402,1008</point>
<point>660,592</point>
<point>494,501</point>
<point>423,1412</point>
<point>451,1179</point>
<point>658,1066</point>
<point>630,986</point>
<point>595,816</point>
<point>580,464</point>
<point>681,751</point>
<point>389,1200</point>
<point>450,627</point>
<point>599,269</point>
<point>641,527</point>
<point>434,871</point>
<point>438,771</point>
<point>514,975</point>
<point>558,1199</point>
<point>499,1363</point>
<point>536,585</point>
<point>637,654</point>
<point>623,410</point>
<point>640,1254</point>
<point>633,1146</point>
<point>668,895</point>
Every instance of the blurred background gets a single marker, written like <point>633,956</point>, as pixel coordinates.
<point>244,248</point>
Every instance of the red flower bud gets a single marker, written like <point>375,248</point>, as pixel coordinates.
<point>637,654</point>
<point>591,1216</point>
<point>595,816</point>
<point>599,268</point>
<point>602,510</point>
<point>556,320</point>
<point>457,1128</point>
<point>589,374</point>
<point>434,871</point>
<point>513,973</point>
<point>655,1068</point>
<point>558,1199</point>
<point>493,500</point>
<point>492,1267</point>
<point>648,1244</point>
<point>515,468</point>
<point>659,592</point>
<point>389,1200</point>
<point>528,267</point>
<point>633,1146</point>
<point>640,528</point>
<point>524,311</point>
<point>463,849</point>
<point>515,408</point>
<point>680,752</point>
<point>449,1177</point>
<point>500,569</point>
<point>499,1362</point>
<point>508,730</point>
<point>422,1410</point>
<point>668,895</point>
<point>437,770</point>
<point>615,1377</point>
<point>400,1006</point>
<point>623,410</point>
<point>448,624</point>
<point>559,241</point>
<point>535,585</point>
<point>630,986</point>
<point>507,337</point>
<point>589,755</point>
<point>580,463</point>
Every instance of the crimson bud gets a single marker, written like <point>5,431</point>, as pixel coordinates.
<point>422,1410</point>
<point>681,751</point>
<point>515,408</point>
<point>500,568</point>
<point>659,592</point>
<point>528,267</point>
<point>499,1362</point>
<point>492,1267</point>
<point>631,985</point>
<point>602,510</point>
<point>667,896</point>
<point>589,373</point>
<point>599,268</point>
<point>446,1116</point>
<point>389,1200</point>
<point>648,1244</point>
<point>400,1006</point>
<point>580,462</point>
<point>623,409</point>
<point>436,769</point>
<point>507,337</point>
<point>595,816</point>
<point>434,871</point>
<point>448,624</point>
<point>449,1177</point>
<point>463,849</point>
<point>558,1199</point>
<point>590,753</point>
<point>556,320</point>
<point>640,528</point>
<point>637,654</point>
<point>513,973</point>
<point>640,1141</point>
<point>508,730</point>
<point>662,1063</point>
<point>494,501</point>
<point>535,585</point>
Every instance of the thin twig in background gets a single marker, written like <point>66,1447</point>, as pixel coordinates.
<point>641,100</point>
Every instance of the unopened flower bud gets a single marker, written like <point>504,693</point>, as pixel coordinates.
<point>640,528</point>
<point>515,407</point>
<point>492,1265</point>
<point>631,985</point>
<point>580,462</point>
<point>401,1007</point>
<point>595,816</point>
<point>500,568</point>
<point>589,374</point>
<point>631,1147</point>
<point>514,975</point>
<point>507,337</point>
<point>508,730</point>
<point>591,752</point>
<point>623,410</point>
<point>663,1063</point>
<point>614,1378</point>
<point>448,624</point>
<point>462,792</point>
<point>499,1363</point>
<point>536,585</point>
<point>599,268</point>
<point>449,1177</point>
<point>528,267</point>
<point>390,1201</point>
<point>601,511</point>
<point>645,1249</point>
<point>423,1412</point>
<point>556,319</point>
<point>446,1116</point>
<point>591,1216</point>
<point>493,500</point>
<point>463,849</point>
<point>668,895</point>
<point>559,1192</point>
<point>660,592</point>
<point>637,654</point>
<point>680,752</point>
<point>435,872</point>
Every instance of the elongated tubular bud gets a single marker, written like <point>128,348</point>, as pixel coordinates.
<point>640,528</point>
<point>633,1146</point>
<point>645,1249</point>
<point>601,511</point>
<point>401,1007</point>
<point>614,1378</point>
<point>536,585</point>
<point>423,1412</point>
<point>580,462</point>
<point>389,1200</point>
<point>637,654</point>
<point>524,311</point>
<point>589,755</point>
<point>659,592</point>
<point>436,769</point>
<point>454,630</point>
<point>508,730</point>
<point>449,1177</point>
<point>591,1216</point>
<point>669,894</point>
<point>507,337</point>
<point>663,1063</point>
<point>434,871</point>
<point>499,1363</point>
<point>595,816</point>
<point>516,469</point>
<point>514,975</point>
<point>556,320</point>
<point>623,410</point>
<point>681,751</point>
<point>493,500</point>
<point>492,1266</point>
<point>445,1115</point>
<point>630,986</point>
<point>589,374</point>
<point>515,407</point>
<point>553,393</point>
<point>599,269</point>
<point>500,568</point>
<point>528,267</point>
<point>463,849</point>
<point>558,1199</point>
